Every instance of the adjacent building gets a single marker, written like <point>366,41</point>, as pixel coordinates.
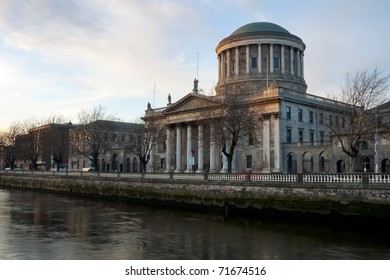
<point>45,147</point>
<point>110,142</point>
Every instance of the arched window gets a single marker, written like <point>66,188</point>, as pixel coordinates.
<point>386,165</point>
<point>128,165</point>
<point>340,166</point>
<point>366,163</point>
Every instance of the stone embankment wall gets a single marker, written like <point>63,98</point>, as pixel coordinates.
<point>315,200</point>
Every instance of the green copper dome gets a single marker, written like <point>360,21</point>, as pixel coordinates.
<point>260,27</point>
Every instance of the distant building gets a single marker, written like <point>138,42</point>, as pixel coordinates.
<point>111,139</point>
<point>264,63</point>
<point>4,156</point>
<point>26,159</point>
<point>49,149</point>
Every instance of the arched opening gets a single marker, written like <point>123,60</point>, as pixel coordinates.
<point>103,169</point>
<point>114,163</point>
<point>340,166</point>
<point>291,163</point>
<point>128,165</point>
<point>386,165</point>
<point>366,163</point>
<point>307,162</point>
<point>135,165</point>
<point>323,162</point>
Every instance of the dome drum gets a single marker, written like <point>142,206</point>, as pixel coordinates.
<point>261,52</point>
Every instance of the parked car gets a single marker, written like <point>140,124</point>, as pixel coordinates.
<point>88,169</point>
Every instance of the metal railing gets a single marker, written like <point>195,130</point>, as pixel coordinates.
<point>365,178</point>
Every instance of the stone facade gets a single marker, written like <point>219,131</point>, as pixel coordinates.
<point>116,151</point>
<point>264,63</point>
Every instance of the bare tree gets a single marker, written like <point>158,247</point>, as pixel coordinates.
<point>8,139</point>
<point>145,137</point>
<point>356,120</point>
<point>232,120</point>
<point>94,127</point>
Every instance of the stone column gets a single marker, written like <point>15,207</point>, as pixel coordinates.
<point>271,58</point>
<point>266,143</point>
<point>247,59</point>
<point>224,166</point>
<point>219,67</point>
<point>189,148</point>
<point>237,61</point>
<point>282,51</point>
<point>151,160</point>
<point>178,148</point>
<point>222,66</point>
<point>234,162</point>
<point>200,148</point>
<point>298,63</point>
<point>224,163</point>
<point>213,163</point>
<point>259,66</point>
<point>169,151</point>
<point>228,63</point>
<point>276,130</point>
<point>302,72</point>
<point>292,61</point>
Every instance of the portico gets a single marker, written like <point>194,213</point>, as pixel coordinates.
<point>190,148</point>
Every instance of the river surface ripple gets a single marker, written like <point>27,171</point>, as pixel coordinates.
<point>54,227</point>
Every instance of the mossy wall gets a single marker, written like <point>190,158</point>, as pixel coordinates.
<point>320,198</point>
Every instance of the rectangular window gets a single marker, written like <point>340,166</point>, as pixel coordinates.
<point>276,62</point>
<point>233,65</point>
<point>343,122</point>
<point>322,137</point>
<point>254,62</point>
<point>312,137</point>
<point>288,113</point>
<point>321,118</point>
<point>330,120</point>
<point>248,161</point>
<point>300,133</point>
<point>288,135</point>
<point>311,116</point>
<point>300,115</point>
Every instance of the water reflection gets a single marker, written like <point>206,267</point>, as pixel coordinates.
<point>47,226</point>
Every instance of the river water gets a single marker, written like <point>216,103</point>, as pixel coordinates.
<point>51,227</point>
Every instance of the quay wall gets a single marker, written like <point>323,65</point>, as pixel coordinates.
<point>304,199</point>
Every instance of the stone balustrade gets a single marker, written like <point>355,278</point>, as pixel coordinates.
<point>254,178</point>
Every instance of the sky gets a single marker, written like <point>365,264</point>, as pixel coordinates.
<point>58,57</point>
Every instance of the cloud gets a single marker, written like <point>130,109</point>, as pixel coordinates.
<point>80,53</point>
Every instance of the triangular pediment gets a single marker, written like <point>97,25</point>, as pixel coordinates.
<point>192,102</point>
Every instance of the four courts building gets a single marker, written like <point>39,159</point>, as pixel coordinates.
<point>262,64</point>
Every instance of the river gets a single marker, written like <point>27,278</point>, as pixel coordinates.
<point>57,227</point>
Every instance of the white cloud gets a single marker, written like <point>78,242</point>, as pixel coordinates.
<point>68,55</point>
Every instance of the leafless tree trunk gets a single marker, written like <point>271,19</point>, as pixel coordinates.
<point>94,127</point>
<point>232,121</point>
<point>146,137</point>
